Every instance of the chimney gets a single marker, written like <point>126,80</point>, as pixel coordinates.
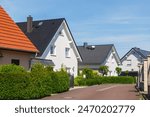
<point>29,24</point>
<point>85,44</point>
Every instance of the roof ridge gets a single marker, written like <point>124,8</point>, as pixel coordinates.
<point>141,49</point>
<point>97,45</point>
<point>43,20</point>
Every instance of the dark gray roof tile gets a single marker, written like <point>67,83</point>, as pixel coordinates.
<point>95,55</point>
<point>143,53</point>
<point>41,35</point>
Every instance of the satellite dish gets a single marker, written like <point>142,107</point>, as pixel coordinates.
<point>93,47</point>
<point>40,23</point>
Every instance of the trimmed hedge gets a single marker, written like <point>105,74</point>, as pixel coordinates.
<point>60,82</point>
<point>38,83</point>
<point>13,85</point>
<point>79,81</point>
<point>11,68</point>
<point>118,80</point>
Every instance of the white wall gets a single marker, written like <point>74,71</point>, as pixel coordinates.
<point>112,64</point>
<point>135,60</point>
<point>61,42</point>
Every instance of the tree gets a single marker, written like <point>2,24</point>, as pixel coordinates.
<point>104,70</point>
<point>118,70</point>
<point>127,72</point>
<point>87,72</point>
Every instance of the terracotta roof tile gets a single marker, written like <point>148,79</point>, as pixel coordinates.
<point>11,36</point>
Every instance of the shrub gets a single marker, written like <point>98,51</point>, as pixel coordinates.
<point>40,82</point>
<point>104,70</point>
<point>118,80</point>
<point>39,86</point>
<point>118,70</point>
<point>77,79</point>
<point>37,69</point>
<point>11,68</point>
<point>87,72</point>
<point>13,85</point>
<point>82,82</point>
<point>16,83</point>
<point>49,68</point>
<point>126,72</point>
<point>60,81</point>
<point>104,80</point>
<point>94,81</point>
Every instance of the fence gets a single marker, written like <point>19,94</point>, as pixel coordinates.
<point>143,82</point>
<point>71,81</point>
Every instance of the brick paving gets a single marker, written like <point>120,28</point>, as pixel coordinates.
<point>99,92</point>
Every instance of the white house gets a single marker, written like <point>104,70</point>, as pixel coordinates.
<point>55,42</point>
<point>94,56</point>
<point>132,59</point>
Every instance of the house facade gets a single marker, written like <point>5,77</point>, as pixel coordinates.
<point>55,42</point>
<point>15,47</point>
<point>95,56</point>
<point>132,59</point>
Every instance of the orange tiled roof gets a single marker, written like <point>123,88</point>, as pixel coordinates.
<point>11,36</point>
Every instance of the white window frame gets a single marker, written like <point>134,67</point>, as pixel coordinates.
<point>67,52</point>
<point>53,50</point>
<point>129,62</point>
<point>68,69</point>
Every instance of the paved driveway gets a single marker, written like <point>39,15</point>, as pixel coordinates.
<point>99,92</point>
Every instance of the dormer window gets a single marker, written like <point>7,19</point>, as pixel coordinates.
<point>53,50</point>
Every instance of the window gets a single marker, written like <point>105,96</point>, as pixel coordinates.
<point>128,63</point>
<point>52,50</point>
<point>15,61</point>
<point>61,33</point>
<point>68,69</point>
<point>67,52</point>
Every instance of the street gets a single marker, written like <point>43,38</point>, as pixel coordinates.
<point>99,92</point>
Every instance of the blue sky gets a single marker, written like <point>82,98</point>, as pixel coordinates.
<point>124,23</point>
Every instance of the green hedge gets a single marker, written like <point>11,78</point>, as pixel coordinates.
<point>38,83</point>
<point>79,81</point>
<point>13,85</point>
<point>60,82</point>
<point>118,80</point>
<point>11,68</point>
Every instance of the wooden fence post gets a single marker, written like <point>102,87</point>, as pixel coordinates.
<point>145,75</point>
